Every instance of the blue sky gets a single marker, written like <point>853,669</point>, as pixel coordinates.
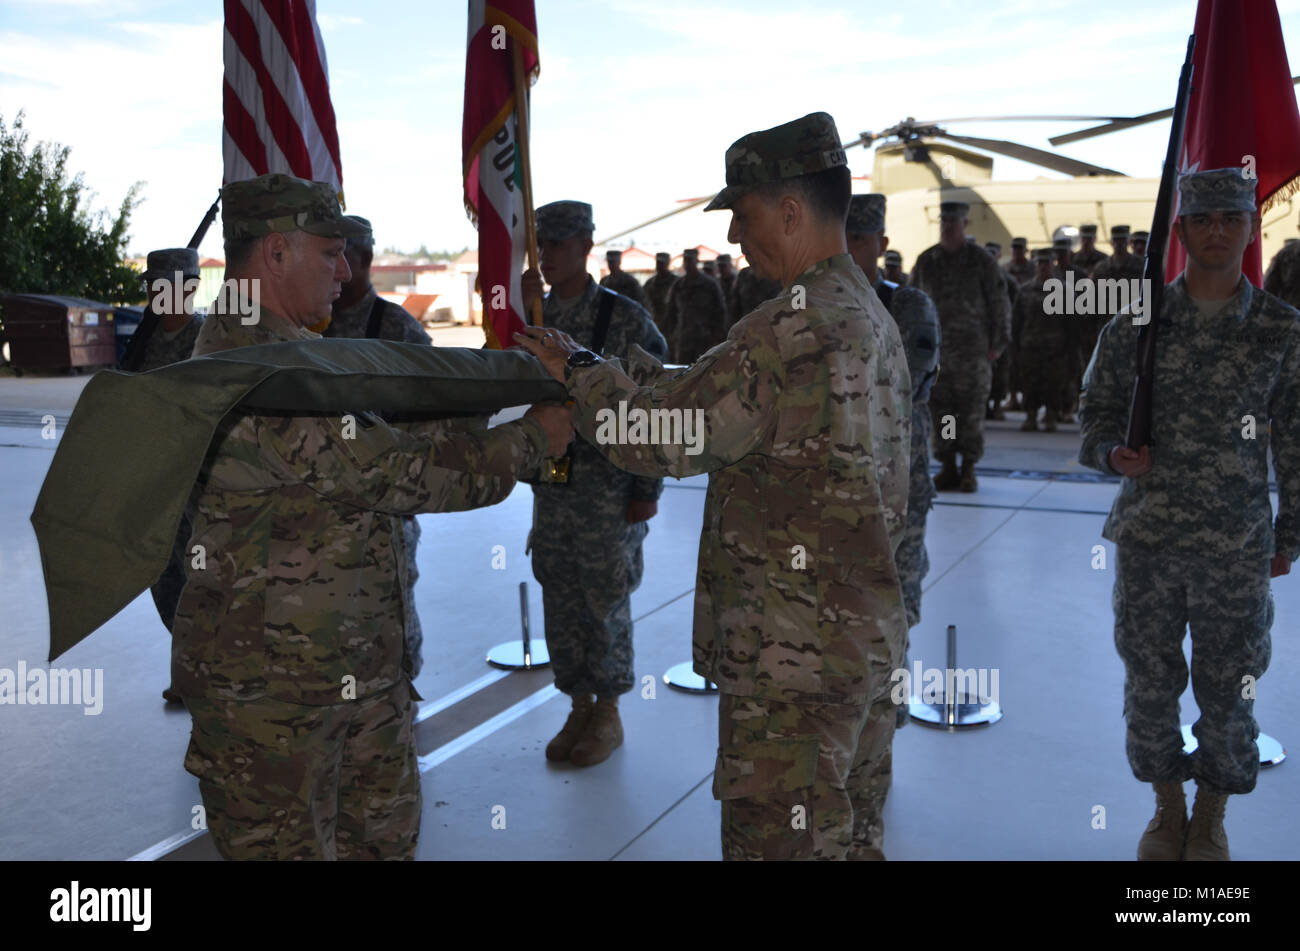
<point>636,104</point>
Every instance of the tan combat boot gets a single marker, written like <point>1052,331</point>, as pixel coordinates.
<point>1206,840</point>
<point>561,747</point>
<point>947,477</point>
<point>968,481</point>
<point>1163,840</point>
<point>604,735</point>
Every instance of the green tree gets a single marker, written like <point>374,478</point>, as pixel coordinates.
<point>50,241</point>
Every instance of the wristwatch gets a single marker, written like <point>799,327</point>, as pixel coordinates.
<point>583,358</point>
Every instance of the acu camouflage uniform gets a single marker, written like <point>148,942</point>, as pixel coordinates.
<point>1194,536</point>
<point>395,323</point>
<point>1283,276</point>
<point>969,291</point>
<point>586,556</point>
<point>807,412</point>
<point>696,316</point>
<point>625,284</point>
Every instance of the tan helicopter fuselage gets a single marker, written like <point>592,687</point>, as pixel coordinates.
<point>1001,210</point>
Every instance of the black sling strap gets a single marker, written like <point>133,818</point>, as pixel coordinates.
<point>376,318</point>
<point>604,309</point>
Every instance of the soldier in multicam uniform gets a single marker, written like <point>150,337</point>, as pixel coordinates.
<point>1004,369</point>
<point>799,617</point>
<point>657,287</point>
<point>894,268</point>
<point>697,314</point>
<point>171,341</point>
<point>1192,525</point>
<point>288,642</point>
<point>1085,334</point>
<point>1121,265</point>
<point>360,312</point>
<point>587,532</point>
<point>1021,268</point>
<point>1138,243</point>
<point>621,282</point>
<point>918,325</point>
<point>1089,255</point>
<point>1282,279</point>
<point>727,281</point>
<point>1045,347</point>
<point>970,293</point>
<point>750,291</point>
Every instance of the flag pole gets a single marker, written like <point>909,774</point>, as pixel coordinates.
<point>525,168</point>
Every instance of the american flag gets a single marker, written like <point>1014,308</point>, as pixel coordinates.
<point>276,97</point>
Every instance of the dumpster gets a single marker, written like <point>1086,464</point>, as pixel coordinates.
<point>126,320</point>
<point>50,332</point>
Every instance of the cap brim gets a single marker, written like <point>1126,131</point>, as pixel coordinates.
<point>339,228</point>
<point>725,198</point>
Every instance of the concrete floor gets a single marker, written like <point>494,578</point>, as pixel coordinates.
<point>1011,566</point>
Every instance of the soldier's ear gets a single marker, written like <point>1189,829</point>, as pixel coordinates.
<point>884,243</point>
<point>276,253</point>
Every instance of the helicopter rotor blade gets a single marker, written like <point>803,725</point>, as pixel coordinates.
<point>1026,153</point>
<point>1021,119</point>
<point>695,203</point>
<point>1123,123</point>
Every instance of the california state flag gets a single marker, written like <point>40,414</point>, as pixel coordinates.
<point>493,174</point>
<point>1242,110</point>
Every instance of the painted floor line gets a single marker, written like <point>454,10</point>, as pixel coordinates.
<point>169,844</point>
<point>463,742</point>
<point>434,707</point>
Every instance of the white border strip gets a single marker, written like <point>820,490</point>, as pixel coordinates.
<point>434,707</point>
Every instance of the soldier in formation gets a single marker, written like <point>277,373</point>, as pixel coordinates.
<point>288,642</point>
<point>619,281</point>
<point>1021,268</point>
<point>1005,381</point>
<point>657,287</point>
<point>727,281</point>
<point>1063,264</point>
<point>697,313</point>
<point>360,312</point>
<point>970,294</point>
<point>1045,348</point>
<point>805,715</point>
<point>894,268</point>
<point>587,530</point>
<point>1088,256</point>
<point>1192,524</point>
<point>1138,242</point>
<point>1120,265</point>
<point>1282,279</point>
<point>750,291</point>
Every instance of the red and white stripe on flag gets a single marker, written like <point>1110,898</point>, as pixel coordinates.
<point>493,192</point>
<point>276,96</point>
<point>1242,110</point>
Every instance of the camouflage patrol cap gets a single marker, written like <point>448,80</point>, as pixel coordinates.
<point>278,203</point>
<point>993,248</point>
<point>1087,231</point>
<point>563,219</point>
<point>1140,235</point>
<point>1220,189</point>
<point>1043,254</point>
<point>613,255</point>
<point>723,259</point>
<point>1020,242</point>
<point>663,256</point>
<point>955,209</point>
<point>366,240</point>
<point>893,257</point>
<point>691,253</point>
<point>168,261</point>
<point>801,147</point>
<point>866,214</point>
<point>1118,231</point>
<point>1061,244</point>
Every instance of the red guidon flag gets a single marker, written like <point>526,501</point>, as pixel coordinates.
<point>276,96</point>
<point>1242,110</point>
<point>493,175</point>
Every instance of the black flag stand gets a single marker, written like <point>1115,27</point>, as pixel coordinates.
<point>522,654</point>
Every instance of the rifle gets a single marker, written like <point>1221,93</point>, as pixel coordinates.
<point>1153,270</point>
<point>135,349</point>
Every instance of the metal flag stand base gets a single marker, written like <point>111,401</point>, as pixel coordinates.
<point>951,715</point>
<point>1271,752</point>
<point>683,677</point>
<point>522,654</point>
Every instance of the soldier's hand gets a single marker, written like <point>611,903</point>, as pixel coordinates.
<point>551,347</point>
<point>1281,566</point>
<point>556,420</point>
<point>641,510</point>
<point>1131,463</point>
<point>530,285</point>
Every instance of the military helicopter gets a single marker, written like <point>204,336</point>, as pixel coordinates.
<point>919,163</point>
